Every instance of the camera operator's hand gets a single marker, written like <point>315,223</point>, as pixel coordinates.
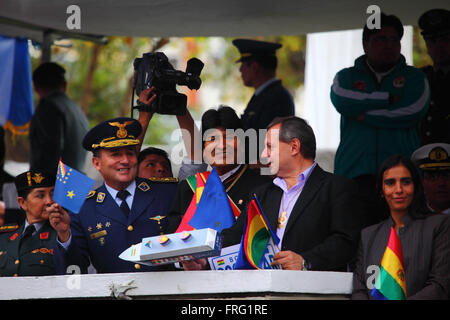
<point>147,97</point>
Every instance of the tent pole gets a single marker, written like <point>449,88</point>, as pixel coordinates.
<point>46,47</point>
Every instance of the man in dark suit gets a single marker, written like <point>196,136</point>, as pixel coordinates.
<point>120,212</point>
<point>258,68</point>
<point>317,215</point>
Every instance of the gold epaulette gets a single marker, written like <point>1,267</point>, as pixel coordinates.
<point>165,179</point>
<point>9,228</point>
<point>91,194</point>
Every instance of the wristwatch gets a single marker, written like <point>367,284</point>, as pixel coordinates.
<point>305,265</point>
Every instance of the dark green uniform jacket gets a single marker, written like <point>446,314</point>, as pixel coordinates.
<point>29,256</point>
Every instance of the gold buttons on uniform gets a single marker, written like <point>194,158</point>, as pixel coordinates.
<point>17,261</point>
<point>42,261</point>
<point>137,266</point>
<point>130,228</point>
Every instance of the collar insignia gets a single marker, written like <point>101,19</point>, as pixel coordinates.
<point>100,197</point>
<point>143,186</point>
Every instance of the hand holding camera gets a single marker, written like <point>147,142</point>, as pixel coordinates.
<point>155,70</point>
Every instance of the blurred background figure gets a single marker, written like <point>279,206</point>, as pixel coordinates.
<point>435,25</point>
<point>258,70</point>
<point>58,124</point>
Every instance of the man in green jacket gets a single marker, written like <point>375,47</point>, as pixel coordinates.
<point>381,101</point>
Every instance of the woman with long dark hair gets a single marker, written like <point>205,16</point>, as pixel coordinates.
<point>424,237</point>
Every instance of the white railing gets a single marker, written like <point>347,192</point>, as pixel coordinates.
<point>182,284</point>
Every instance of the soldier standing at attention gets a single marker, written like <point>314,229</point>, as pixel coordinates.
<point>258,69</point>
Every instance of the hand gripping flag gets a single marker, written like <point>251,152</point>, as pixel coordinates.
<point>213,210</point>
<point>71,188</point>
<point>256,237</point>
<point>390,283</point>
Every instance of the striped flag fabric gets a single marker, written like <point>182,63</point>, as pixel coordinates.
<point>255,238</point>
<point>197,183</point>
<point>199,186</point>
<point>390,283</point>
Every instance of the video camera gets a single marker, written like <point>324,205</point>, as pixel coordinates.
<point>154,69</point>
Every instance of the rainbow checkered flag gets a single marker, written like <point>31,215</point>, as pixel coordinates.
<point>71,188</point>
<point>390,283</point>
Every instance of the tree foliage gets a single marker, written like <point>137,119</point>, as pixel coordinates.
<point>99,76</point>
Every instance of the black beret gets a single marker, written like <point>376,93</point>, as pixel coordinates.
<point>114,133</point>
<point>253,48</point>
<point>34,179</point>
<point>435,23</point>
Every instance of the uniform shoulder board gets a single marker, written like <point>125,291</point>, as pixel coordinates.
<point>9,228</point>
<point>91,194</point>
<point>166,179</point>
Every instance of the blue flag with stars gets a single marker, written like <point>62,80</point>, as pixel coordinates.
<point>214,209</point>
<point>71,188</point>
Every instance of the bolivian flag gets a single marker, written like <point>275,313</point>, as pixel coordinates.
<point>197,185</point>
<point>390,283</point>
<point>255,239</point>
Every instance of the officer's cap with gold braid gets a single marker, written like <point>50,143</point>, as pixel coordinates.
<point>253,48</point>
<point>434,156</point>
<point>114,133</point>
<point>34,179</point>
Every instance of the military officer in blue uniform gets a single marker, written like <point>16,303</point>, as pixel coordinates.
<point>27,249</point>
<point>120,212</point>
<point>258,70</point>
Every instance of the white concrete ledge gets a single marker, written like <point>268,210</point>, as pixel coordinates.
<point>182,284</point>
